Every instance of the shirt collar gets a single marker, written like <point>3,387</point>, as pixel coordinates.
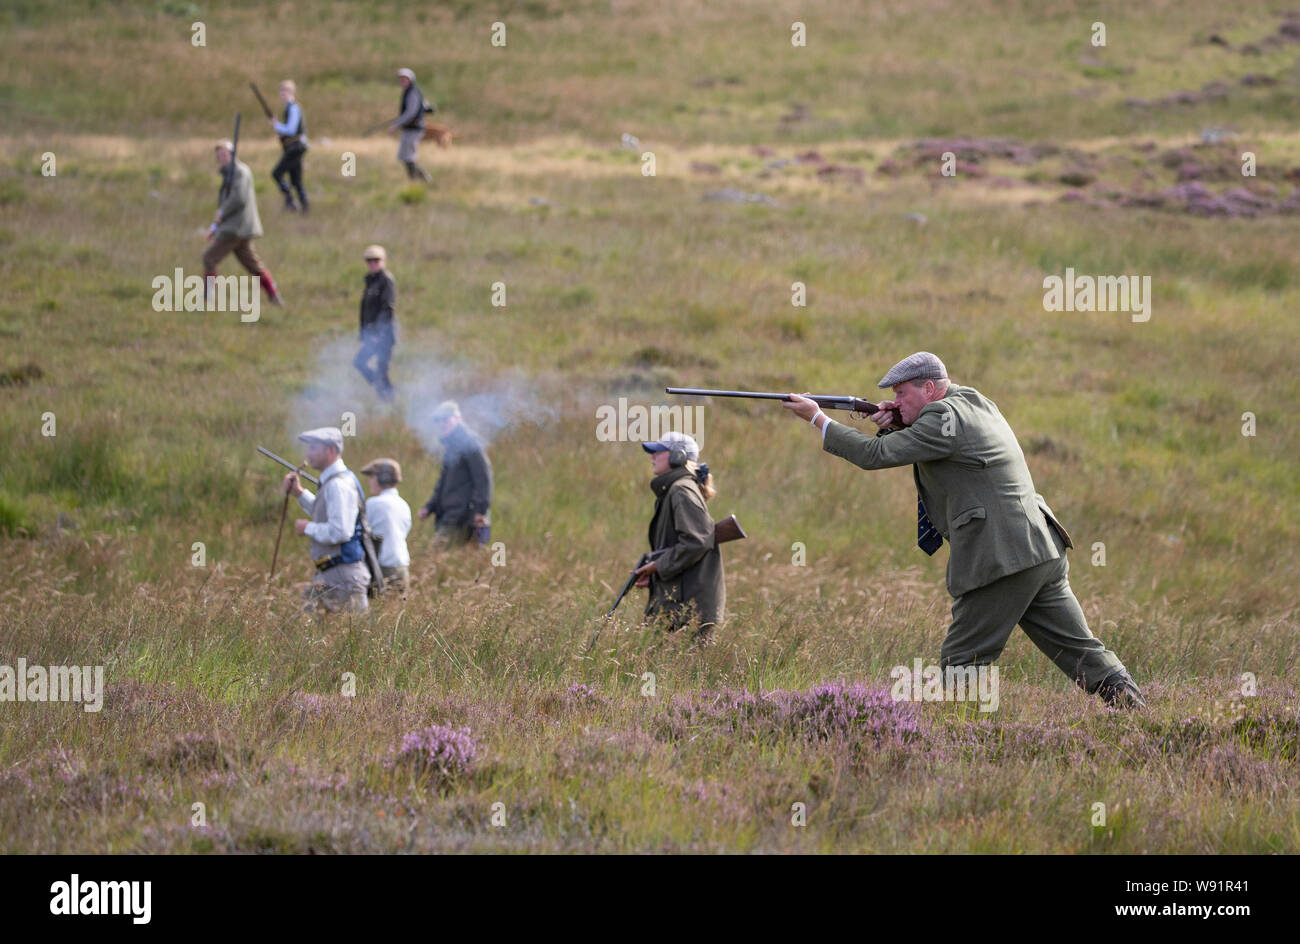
<point>333,469</point>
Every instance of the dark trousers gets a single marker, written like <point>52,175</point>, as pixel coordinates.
<point>290,165</point>
<point>379,346</point>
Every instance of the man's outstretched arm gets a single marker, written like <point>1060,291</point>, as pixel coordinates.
<point>923,441</point>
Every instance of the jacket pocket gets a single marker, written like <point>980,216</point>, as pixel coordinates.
<point>966,516</point>
<point>1053,523</point>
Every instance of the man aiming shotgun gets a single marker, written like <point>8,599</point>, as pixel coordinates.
<point>1008,563</point>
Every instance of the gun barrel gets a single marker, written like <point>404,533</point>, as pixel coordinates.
<point>288,465</point>
<point>261,101</point>
<point>744,394</point>
<point>852,404</point>
<point>824,401</point>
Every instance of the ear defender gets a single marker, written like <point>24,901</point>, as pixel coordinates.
<point>676,457</point>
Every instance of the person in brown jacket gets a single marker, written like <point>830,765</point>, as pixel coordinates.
<point>687,580</point>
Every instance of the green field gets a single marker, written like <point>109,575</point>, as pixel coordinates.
<point>618,284</point>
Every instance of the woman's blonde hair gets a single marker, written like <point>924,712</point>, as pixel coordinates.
<point>706,487</point>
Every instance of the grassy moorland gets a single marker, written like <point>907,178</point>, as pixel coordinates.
<point>617,283</point>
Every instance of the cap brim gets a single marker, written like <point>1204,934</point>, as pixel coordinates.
<point>653,447</point>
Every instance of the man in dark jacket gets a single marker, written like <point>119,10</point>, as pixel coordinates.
<point>378,334</point>
<point>463,495</point>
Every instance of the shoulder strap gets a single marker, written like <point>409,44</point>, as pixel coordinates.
<point>367,540</point>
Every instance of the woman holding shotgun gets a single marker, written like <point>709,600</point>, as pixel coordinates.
<point>686,581</point>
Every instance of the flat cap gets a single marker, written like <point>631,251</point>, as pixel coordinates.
<point>374,251</point>
<point>446,409</point>
<point>385,471</point>
<point>406,73</point>
<point>224,143</point>
<point>325,435</point>
<point>919,366</point>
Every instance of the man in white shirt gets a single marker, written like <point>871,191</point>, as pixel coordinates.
<point>334,531</point>
<point>390,520</point>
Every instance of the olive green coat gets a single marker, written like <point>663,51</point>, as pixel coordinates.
<point>239,219</point>
<point>971,474</point>
<point>690,580</point>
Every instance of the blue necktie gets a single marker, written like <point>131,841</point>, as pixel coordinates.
<point>927,538</point>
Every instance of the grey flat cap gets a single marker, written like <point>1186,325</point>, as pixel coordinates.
<point>325,435</point>
<point>446,410</point>
<point>919,366</point>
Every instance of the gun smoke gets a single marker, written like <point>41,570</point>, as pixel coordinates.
<point>489,403</point>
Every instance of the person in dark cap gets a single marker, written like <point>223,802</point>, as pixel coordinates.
<point>337,525</point>
<point>686,582</point>
<point>410,124</point>
<point>1008,563</point>
<point>463,496</point>
<point>390,521</point>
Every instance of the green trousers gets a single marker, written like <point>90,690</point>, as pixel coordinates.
<point>1041,601</point>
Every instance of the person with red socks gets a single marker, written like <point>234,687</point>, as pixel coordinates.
<point>236,225</point>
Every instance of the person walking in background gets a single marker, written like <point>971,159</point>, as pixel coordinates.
<point>292,129</point>
<point>236,224</point>
<point>687,581</point>
<point>463,496</point>
<point>378,328</point>
<point>390,521</point>
<point>410,124</point>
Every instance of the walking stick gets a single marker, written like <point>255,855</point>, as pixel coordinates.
<point>284,512</point>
